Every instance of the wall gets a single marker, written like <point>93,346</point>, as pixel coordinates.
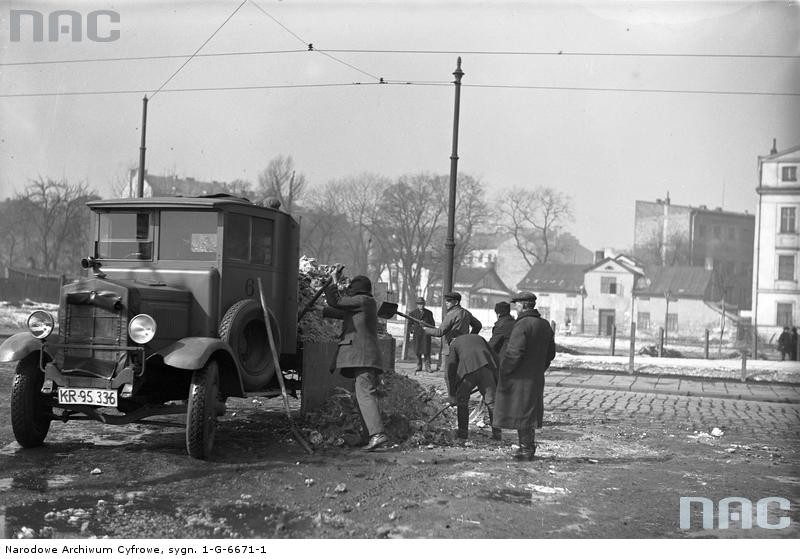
<point>694,318</point>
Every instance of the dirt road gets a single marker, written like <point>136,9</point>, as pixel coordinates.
<point>611,464</point>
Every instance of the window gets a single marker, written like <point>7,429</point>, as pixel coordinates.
<point>731,233</point>
<point>672,322</point>
<point>717,232</point>
<point>643,320</point>
<point>188,235</point>
<point>701,231</point>
<point>608,284</point>
<point>570,315</point>
<point>786,267</point>
<point>788,220</point>
<point>784,314</point>
<point>125,236</point>
<point>237,237</point>
<point>789,174</point>
<point>263,233</point>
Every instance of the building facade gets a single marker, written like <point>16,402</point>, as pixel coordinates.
<point>715,239</point>
<point>776,292</point>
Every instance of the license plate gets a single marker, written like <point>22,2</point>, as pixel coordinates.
<point>88,397</point>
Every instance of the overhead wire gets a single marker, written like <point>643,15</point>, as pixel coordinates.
<point>398,51</point>
<point>175,73</point>
<point>310,45</point>
<point>421,83</point>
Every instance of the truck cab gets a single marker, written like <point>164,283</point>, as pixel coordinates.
<point>168,320</point>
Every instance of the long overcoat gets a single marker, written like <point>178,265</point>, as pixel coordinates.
<point>520,387</point>
<point>358,342</point>
<point>422,341</point>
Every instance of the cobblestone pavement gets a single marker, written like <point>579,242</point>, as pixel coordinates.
<point>750,418</point>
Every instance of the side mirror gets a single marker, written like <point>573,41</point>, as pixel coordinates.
<point>93,263</point>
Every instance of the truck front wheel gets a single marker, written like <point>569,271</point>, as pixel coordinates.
<point>201,414</point>
<point>31,411</point>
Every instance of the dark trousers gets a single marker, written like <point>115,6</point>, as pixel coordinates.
<point>483,378</point>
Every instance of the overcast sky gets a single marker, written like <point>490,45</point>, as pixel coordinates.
<point>594,122</point>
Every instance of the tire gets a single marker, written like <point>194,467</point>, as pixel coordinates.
<point>31,411</point>
<point>201,413</point>
<point>243,329</point>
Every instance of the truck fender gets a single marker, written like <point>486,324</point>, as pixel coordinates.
<point>19,346</point>
<point>193,353</point>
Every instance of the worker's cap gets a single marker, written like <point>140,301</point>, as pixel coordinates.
<point>420,300</point>
<point>361,284</point>
<point>453,296</point>
<point>502,307</point>
<point>524,296</point>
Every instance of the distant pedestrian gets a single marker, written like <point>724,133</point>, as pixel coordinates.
<point>501,330</point>
<point>422,341</point>
<point>794,349</point>
<point>457,321</point>
<point>357,354</point>
<point>471,363</point>
<point>520,389</point>
<point>785,344</point>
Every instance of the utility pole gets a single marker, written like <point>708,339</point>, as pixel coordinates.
<point>450,243</point>
<point>142,148</point>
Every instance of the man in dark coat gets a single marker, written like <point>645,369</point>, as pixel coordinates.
<point>520,389</point>
<point>501,330</point>
<point>471,363</point>
<point>457,321</point>
<point>422,341</point>
<point>358,355</point>
<point>785,344</point>
<point>794,349</point>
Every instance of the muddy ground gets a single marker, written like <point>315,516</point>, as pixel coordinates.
<point>597,475</point>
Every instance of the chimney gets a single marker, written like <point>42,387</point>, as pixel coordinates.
<point>774,149</point>
<point>667,200</point>
<point>599,255</point>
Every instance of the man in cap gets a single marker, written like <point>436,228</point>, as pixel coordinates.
<point>520,390</point>
<point>457,321</point>
<point>502,328</point>
<point>471,363</point>
<point>357,354</point>
<point>422,341</point>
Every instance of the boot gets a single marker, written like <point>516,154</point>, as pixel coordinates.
<point>462,414</point>
<point>419,365</point>
<point>497,434</point>
<point>526,445</point>
<point>428,366</point>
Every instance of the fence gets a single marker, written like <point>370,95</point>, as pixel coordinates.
<point>39,290</point>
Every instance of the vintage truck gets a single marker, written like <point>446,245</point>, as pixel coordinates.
<point>168,320</point>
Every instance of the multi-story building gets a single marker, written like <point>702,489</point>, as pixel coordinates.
<point>718,240</point>
<point>776,292</point>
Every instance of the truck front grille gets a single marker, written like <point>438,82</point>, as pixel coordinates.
<point>88,326</point>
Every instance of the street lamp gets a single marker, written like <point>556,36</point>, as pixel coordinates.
<point>582,293</point>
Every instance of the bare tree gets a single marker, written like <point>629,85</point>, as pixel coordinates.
<point>13,231</point>
<point>655,251</point>
<point>534,218</point>
<point>281,181</point>
<point>472,214</point>
<point>411,211</point>
<point>123,183</point>
<point>58,221</point>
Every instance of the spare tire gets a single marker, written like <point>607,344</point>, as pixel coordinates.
<point>243,329</point>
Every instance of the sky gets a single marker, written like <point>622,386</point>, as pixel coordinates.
<point>644,99</point>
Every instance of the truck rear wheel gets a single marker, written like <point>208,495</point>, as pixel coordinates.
<point>243,329</point>
<point>31,411</point>
<point>201,413</point>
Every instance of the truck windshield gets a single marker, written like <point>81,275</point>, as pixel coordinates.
<point>188,235</point>
<point>126,235</point>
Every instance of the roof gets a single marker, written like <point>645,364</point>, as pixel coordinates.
<point>212,202</point>
<point>554,277</point>
<point>780,154</point>
<point>469,279</point>
<point>623,263</point>
<point>173,185</point>
<point>679,281</point>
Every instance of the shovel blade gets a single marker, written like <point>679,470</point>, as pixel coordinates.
<point>387,310</point>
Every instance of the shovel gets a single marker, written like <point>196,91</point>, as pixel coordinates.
<point>388,310</point>
<point>449,405</point>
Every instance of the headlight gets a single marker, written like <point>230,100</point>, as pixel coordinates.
<point>142,328</point>
<point>40,323</point>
